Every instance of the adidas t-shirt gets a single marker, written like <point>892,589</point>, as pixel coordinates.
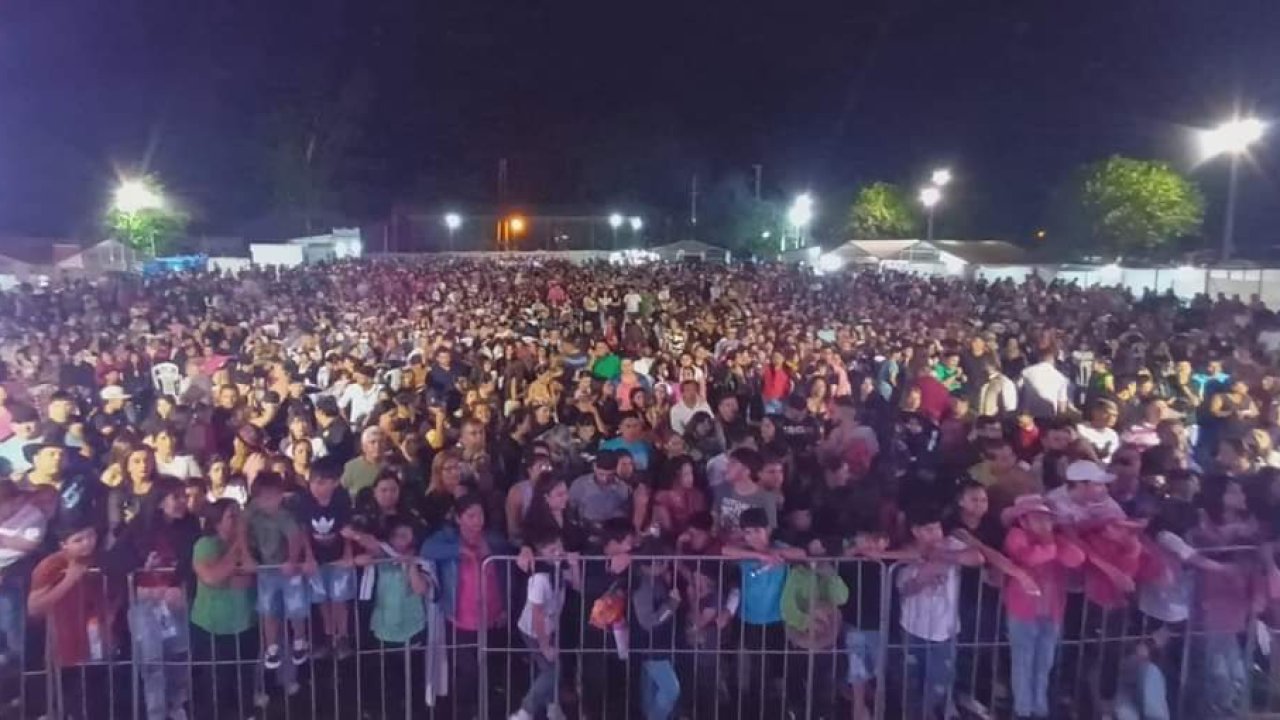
<point>323,523</point>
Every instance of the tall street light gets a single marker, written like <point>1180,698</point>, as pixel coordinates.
<point>930,197</point>
<point>1231,138</point>
<point>799,215</point>
<point>452,221</point>
<point>940,177</point>
<point>615,222</point>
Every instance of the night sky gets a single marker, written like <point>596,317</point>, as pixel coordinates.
<point>605,103</point>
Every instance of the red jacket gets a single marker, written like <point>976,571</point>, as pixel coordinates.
<point>775,383</point>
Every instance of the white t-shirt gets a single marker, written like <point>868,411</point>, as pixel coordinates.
<point>540,592</point>
<point>933,613</point>
<point>681,414</point>
<point>632,301</point>
<point>1105,441</point>
<point>183,467</point>
<point>1044,390</point>
<point>1169,601</point>
<point>27,523</point>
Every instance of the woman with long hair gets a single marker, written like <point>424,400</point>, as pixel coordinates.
<point>222,612</point>
<point>128,481</point>
<point>680,497</point>
<point>472,592</point>
<point>157,545</point>
<point>1224,599</point>
<point>445,488</point>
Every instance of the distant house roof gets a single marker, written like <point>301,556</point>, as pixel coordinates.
<point>689,247</point>
<point>976,252</point>
<point>983,252</point>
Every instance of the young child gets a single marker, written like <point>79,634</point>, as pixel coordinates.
<point>324,511</point>
<point>540,622</point>
<point>74,605</point>
<point>606,590</point>
<point>865,572</point>
<point>763,574</point>
<point>1035,620</point>
<point>276,539</point>
<point>398,610</point>
<point>655,602</point>
<point>708,610</point>
<point>930,619</point>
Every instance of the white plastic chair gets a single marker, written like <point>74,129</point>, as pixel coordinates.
<point>166,376</point>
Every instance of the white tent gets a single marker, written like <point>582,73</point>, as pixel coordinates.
<point>691,249</point>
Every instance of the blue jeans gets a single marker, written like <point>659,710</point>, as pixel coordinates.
<point>1032,647</point>
<point>1221,672</point>
<point>661,689</point>
<point>931,670</point>
<point>543,690</point>
<point>1145,696</point>
<point>13,613</point>
<point>160,648</point>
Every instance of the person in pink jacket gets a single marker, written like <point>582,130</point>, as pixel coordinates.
<point>1035,619</point>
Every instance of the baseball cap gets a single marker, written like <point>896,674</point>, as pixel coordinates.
<point>1088,471</point>
<point>112,392</point>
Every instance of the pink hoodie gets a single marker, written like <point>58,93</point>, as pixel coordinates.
<point>1047,561</point>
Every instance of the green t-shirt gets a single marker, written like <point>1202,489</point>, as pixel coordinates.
<point>607,367</point>
<point>219,610</point>
<point>398,614</point>
<point>359,474</point>
<point>269,535</point>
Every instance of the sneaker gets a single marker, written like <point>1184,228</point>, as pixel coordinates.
<point>974,708</point>
<point>522,715</point>
<point>342,648</point>
<point>301,651</point>
<point>271,660</point>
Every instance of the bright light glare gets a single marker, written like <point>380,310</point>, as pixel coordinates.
<point>801,212</point>
<point>453,221</point>
<point>135,195</point>
<point>930,196</point>
<point>830,263</point>
<point>636,224</point>
<point>941,177</point>
<point>615,221</point>
<point>1232,138</point>
<point>516,224</point>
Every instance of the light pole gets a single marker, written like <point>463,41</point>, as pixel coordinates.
<point>452,221</point>
<point>930,197</point>
<point>615,222</point>
<point>799,215</point>
<point>636,223</point>
<point>136,196</point>
<point>1231,138</point>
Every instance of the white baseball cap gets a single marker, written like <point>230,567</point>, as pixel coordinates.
<point>1088,471</point>
<point>112,392</point>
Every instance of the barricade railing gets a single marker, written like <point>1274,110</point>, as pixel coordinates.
<point>716,647</point>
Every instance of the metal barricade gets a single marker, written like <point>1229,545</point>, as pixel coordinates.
<point>811,639</point>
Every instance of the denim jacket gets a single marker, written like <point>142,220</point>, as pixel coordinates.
<point>444,549</point>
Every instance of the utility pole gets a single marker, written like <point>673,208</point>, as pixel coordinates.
<point>693,206</point>
<point>759,175</point>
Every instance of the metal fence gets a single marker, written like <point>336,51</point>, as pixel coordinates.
<point>705,651</point>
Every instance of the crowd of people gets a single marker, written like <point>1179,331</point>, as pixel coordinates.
<point>681,478</point>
